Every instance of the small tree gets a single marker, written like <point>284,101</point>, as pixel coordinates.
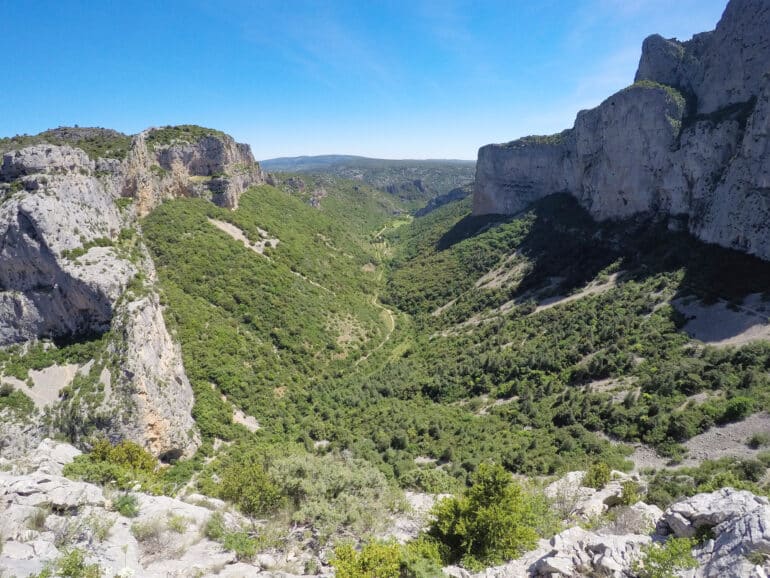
<point>249,487</point>
<point>494,521</point>
<point>597,476</point>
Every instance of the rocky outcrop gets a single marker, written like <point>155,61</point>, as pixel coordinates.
<point>211,166</point>
<point>44,515</point>
<point>55,205</point>
<point>66,265</point>
<point>690,140</point>
<point>151,370</point>
<point>738,520</point>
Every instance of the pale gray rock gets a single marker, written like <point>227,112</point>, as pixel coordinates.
<point>719,68</point>
<point>710,510</point>
<point>214,167</point>
<point>152,373</point>
<point>66,204</point>
<point>740,522</point>
<point>42,291</point>
<point>689,141</point>
<point>75,510</point>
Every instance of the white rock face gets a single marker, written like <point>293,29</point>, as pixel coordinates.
<point>740,522</point>
<point>646,150</point>
<point>151,369</point>
<point>61,207</point>
<point>719,68</point>
<point>58,201</point>
<point>214,167</point>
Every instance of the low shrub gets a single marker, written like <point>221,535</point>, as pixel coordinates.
<point>597,476</point>
<point>667,560</point>
<point>126,505</point>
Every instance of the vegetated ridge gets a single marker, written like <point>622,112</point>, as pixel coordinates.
<point>413,181</point>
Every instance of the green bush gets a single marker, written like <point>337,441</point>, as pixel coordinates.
<point>126,505</point>
<point>72,564</point>
<point>433,481</point>
<point>493,521</point>
<point>597,476</point>
<point>736,409</point>
<point>241,544</point>
<point>667,560</point>
<point>759,440</point>
<point>125,454</point>
<point>124,464</point>
<point>215,527</point>
<point>630,493</point>
<point>417,559</point>
<point>375,560</point>
<point>335,492</point>
<point>249,487</point>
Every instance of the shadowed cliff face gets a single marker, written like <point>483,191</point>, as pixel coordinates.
<point>688,139</point>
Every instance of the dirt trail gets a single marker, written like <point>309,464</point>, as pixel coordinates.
<point>387,314</point>
<point>238,235</point>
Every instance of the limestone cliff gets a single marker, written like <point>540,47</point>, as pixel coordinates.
<point>689,139</point>
<point>72,263</point>
<point>173,162</point>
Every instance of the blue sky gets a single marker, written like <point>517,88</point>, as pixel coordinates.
<point>393,79</point>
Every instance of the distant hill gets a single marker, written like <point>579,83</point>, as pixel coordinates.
<point>413,181</point>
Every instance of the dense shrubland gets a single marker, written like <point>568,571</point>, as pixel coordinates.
<point>474,374</point>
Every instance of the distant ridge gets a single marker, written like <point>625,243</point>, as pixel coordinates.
<point>310,163</point>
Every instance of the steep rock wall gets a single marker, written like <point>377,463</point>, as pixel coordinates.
<point>213,166</point>
<point>64,273</point>
<point>689,139</point>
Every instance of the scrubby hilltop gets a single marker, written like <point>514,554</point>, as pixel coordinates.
<point>689,140</point>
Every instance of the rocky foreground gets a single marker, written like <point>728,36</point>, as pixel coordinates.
<point>45,516</point>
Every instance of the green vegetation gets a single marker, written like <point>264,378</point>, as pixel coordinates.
<point>95,142</point>
<point>597,476</point>
<point>16,361</point>
<point>669,485</point>
<point>123,464</point>
<point>519,341</point>
<point>550,139</point>
<point>672,92</point>
<point>667,560</point>
<point>412,182</point>
<point>417,559</point>
<point>15,402</point>
<point>495,520</point>
<point>71,565</point>
<point>181,134</point>
<point>126,505</point>
<point>73,254</point>
<point>247,485</point>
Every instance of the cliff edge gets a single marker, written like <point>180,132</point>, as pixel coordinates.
<point>690,139</point>
<point>73,265</point>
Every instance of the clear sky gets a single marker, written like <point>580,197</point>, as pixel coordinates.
<point>393,79</point>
